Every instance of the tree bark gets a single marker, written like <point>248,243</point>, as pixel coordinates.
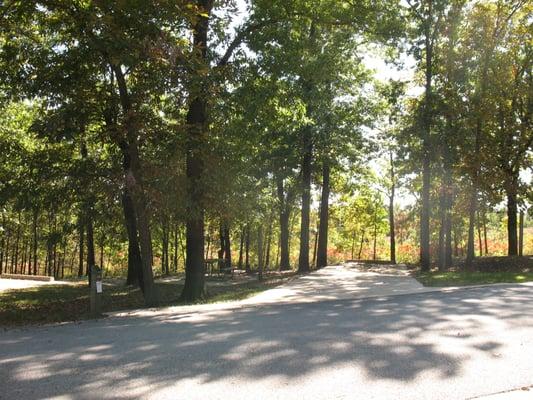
<point>227,246</point>
<point>485,231</point>
<point>361,245</point>
<point>91,262</point>
<point>35,243</point>
<point>134,184</point>
<point>425,258</point>
<point>260,252</point>
<point>322,249</point>
<point>195,146</point>
<point>134,276</point>
<point>284,216</point>
<point>247,251</point>
<point>220,253</point>
<point>470,251</point>
<point>268,244</point>
<point>239,265</point>
<point>175,249</point>
<point>512,210</point>
<point>81,230</point>
<point>480,242</point>
<point>521,235</point>
<point>374,254</point>
<point>303,260</point>
<point>392,230</point>
<point>17,242</point>
<point>315,247</point>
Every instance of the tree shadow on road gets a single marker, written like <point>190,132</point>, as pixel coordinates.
<point>386,337</point>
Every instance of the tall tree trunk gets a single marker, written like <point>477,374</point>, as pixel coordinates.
<point>315,247</point>
<point>353,245</point>
<point>442,229</point>
<point>2,244</point>
<point>284,216</point>
<point>165,270</point>
<point>239,265</point>
<point>521,235</point>
<point>268,243</point>
<point>322,249</point>
<point>374,254</point>
<point>81,230</point>
<point>425,258</point>
<point>195,148</point>
<point>480,242</point>
<point>512,210</point>
<point>277,255</point>
<point>91,262</point>
<point>303,260</point>
<point>472,207</point>
<point>208,239</point>
<point>485,231</point>
<point>102,253</point>
<point>35,243</point>
<point>392,230</point>
<point>227,246</point>
<point>24,252</point>
<point>63,257</point>
<point>134,276</point>
<point>134,184</point>
<point>222,247</point>
<point>17,242</point>
<point>361,245</point>
<point>175,251</point>
<point>260,252</point>
<point>247,251</point>
<point>7,234</point>
<point>448,232</point>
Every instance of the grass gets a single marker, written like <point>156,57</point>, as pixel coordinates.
<point>70,302</point>
<point>464,278</point>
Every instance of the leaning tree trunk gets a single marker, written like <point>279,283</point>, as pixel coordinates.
<point>322,247</point>
<point>134,184</point>
<point>361,245</point>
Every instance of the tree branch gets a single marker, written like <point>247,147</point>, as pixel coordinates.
<point>239,38</point>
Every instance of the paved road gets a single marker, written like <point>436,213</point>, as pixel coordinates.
<point>437,345</point>
<point>340,282</point>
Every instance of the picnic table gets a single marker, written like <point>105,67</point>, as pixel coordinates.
<point>217,265</point>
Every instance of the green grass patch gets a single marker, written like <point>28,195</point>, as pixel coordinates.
<point>70,302</point>
<point>464,278</point>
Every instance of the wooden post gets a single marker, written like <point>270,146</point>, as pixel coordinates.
<point>95,290</point>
